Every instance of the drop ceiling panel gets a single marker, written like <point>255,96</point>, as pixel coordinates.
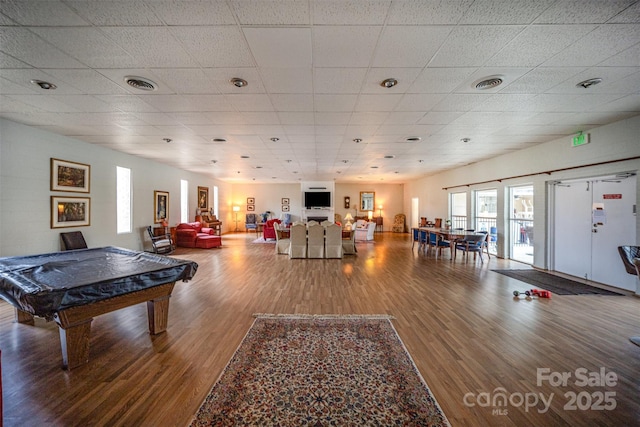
<point>280,47</point>
<point>344,46</point>
<point>409,46</point>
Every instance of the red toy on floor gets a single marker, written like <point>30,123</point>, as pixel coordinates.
<point>533,293</point>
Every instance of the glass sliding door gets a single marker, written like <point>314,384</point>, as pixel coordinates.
<point>486,212</point>
<point>521,223</point>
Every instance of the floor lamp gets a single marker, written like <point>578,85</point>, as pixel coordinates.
<point>236,209</point>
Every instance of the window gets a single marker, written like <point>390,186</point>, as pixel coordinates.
<point>123,200</point>
<point>459,210</point>
<point>215,200</point>
<point>184,200</point>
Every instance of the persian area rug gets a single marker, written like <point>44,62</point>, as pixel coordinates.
<point>555,284</point>
<point>320,371</point>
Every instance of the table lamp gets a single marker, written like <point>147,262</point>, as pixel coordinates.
<point>236,209</point>
<point>370,215</point>
<point>348,218</point>
<point>380,211</point>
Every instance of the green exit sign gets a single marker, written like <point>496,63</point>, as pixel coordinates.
<point>581,139</point>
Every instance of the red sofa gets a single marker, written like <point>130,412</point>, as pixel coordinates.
<point>193,235</point>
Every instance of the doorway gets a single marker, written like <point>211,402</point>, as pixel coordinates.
<point>521,223</point>
<point>591,218</point>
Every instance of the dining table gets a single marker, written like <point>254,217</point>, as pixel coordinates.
<point>450,234</point>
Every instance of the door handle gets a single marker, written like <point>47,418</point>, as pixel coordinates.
<point>595,230</point>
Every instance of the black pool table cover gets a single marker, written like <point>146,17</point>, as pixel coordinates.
<point>45,284</point>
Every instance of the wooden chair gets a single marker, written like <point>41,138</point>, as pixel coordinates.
<point>160,244</point>
<point>438,223</point>
<point>73,240</point>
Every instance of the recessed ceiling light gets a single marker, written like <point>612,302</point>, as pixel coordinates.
<point>140,83</point>
<point>466,140</point>
<point>374,167</point>
<point>167,140</point>
<point>258,167</point>
<point>44,85</point>
<point>213,162</point>
<point>389,156</point>
<point>345,161</point>
<point>488,83</point>
<point>391,82</point>
<point>274,139</point>
<point>414,139</point>
<point>288,161</point>
<point>357,140</point>
<point>420,161</point>
<point>588,83</point>
<point>244,157</point>
<point>238,82</point>
<point>218,140</point>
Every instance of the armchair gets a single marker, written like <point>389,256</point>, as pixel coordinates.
<point>269,231</point>
<point>211,221</point>
<point>365,233</point>
<point>398,223</point>
<point>251,222</point>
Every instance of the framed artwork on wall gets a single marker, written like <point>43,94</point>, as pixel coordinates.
<point>251,200</point>
<point>203,198</point>
<point>285,208</point>
<point>251,208</point>
<point>285,201</point>
<point>69,176</point>
<point>160,206</point>
<point>70,211</point>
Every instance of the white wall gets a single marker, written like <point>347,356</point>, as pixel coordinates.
<point>25,211</point>
<point>619,140</point>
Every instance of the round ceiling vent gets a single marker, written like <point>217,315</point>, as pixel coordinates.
<point>489,83</point>
<point>140,83</point>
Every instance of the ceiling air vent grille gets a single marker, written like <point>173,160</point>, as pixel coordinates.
<point>489,83</point>
<point>140,83</point>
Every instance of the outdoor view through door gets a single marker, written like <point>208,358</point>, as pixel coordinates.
<point>521,223</point>
<point>486,213</point>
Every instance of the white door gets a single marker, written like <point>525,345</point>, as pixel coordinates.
<point>592,218</point>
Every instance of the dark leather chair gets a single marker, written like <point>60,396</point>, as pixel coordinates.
<point>73,240</point>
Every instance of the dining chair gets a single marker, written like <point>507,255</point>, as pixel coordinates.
<point>471,243</point>
<point>333,241</point>
<point>315,243</point>
<point>282,243</point>
<point>349,244</point>
<point>438,243</point>
<point>416,237</point>
<point>298,245</point>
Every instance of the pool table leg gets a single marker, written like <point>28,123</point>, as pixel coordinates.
<point>74,340</point>
<point>158,314</point>
<point>24,317</point>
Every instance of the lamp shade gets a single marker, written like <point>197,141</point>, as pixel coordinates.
<point>370,214</point>
<point>348,217</point>
<point>236,208</point>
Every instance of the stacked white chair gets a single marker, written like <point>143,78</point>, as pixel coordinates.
<point>298,244</point>
<point>282,245</point>
<point>333,241</point>
<point>315,244</point>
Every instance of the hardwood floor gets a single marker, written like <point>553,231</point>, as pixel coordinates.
<point>458,320</point>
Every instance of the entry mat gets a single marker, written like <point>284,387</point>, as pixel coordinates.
<point>557,285</point>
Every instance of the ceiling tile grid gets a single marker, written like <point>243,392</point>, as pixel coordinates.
<point>314,71</point>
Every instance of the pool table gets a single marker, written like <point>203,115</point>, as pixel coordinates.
<point>73,287</point>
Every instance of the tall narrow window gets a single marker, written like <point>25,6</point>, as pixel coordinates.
<point>184,200</point>
<point>215,200</point>
<point>123,200</point>
<point>486,209</point>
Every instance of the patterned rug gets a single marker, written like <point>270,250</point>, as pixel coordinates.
<point>320,371</point>
<point>262,240</point>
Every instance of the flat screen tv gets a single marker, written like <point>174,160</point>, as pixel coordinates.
<point>317,199</point>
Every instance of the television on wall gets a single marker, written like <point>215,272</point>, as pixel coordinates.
<point>317,199</point>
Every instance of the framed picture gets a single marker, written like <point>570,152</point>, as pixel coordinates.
<point>285,208</point>
<point>285,201</point>
<point>69,176</point>
<point>251,208</point>
<point>251,200</point>
<point>160,206</point>
<point>203,198</point>
<point>70,211</point>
